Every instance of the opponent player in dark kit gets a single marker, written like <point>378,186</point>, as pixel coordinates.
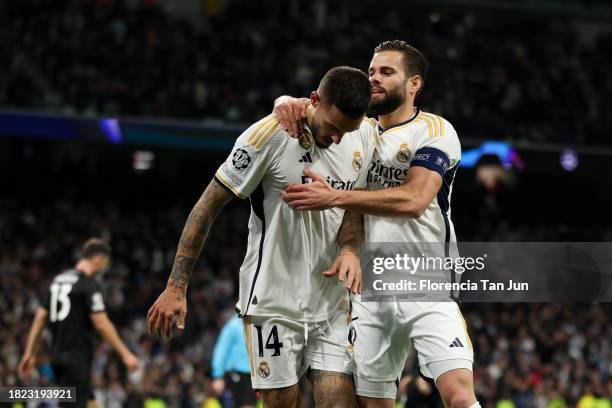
<point>74,306</point>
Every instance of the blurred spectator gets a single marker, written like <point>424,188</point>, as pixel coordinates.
<point>494,73</point>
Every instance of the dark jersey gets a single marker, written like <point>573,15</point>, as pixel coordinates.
<point>72,297</point>
<point>416,399</point>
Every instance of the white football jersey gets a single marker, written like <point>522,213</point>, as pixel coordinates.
<point>281,274</point>
<point>425,140</point>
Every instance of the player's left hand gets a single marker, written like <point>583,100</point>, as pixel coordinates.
<point>25,367</point>
<point>315,196</point>
<point>348,268</point>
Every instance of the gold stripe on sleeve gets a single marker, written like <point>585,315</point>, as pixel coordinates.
<point>263,123</point>
<point>429,124</point>
<point>441,125</point>
<point>436,124</point>
<point>263,131</point>
<point>269,133</point>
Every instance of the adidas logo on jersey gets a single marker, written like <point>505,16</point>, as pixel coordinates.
<point>306,158</point>
<point>456,343</point>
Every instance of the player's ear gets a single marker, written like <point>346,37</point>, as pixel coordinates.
<point>415,83</point>
<point>315,98</point>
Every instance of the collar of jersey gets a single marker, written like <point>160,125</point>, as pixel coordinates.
<point>307,130</point>
<point>381,130</point>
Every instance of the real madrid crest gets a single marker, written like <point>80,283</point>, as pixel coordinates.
<point>403,155</point>
<point>357,161</point>
<point>306,140</point>
<point>264,369</point>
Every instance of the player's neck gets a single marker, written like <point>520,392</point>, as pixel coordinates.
<point>403,113</point>
<point>86,267</point>
<point>310,111</point>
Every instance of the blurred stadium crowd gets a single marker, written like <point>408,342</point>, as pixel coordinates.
<point>493,74</point>
<point>37,243</point>
<point>528,355</point>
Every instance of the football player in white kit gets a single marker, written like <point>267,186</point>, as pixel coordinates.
<point>295,319</point>
<point>408,200</point>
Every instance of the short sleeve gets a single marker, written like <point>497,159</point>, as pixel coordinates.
<point>93,296</point>
<point>438,150</point>
<point>252,156</point>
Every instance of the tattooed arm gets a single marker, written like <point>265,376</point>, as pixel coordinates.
<point>195,232</point>
<point>350,237</point>
<point>173,300</point>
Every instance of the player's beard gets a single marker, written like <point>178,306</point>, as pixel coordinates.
<point>394,99</point>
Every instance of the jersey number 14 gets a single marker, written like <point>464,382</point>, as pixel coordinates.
<point>271,344</point>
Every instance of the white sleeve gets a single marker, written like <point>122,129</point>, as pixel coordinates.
<point>438,150</point>
<point>368,135</point>
<point>253,155</point>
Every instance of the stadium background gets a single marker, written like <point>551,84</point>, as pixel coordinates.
<point>115,114</point>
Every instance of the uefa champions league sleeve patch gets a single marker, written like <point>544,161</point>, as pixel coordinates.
<point>241,159</point>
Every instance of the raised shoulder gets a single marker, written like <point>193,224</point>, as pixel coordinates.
<point>369,130</point>
<point>261,132</point>
<point>438,133</point>
<point>434,125</point>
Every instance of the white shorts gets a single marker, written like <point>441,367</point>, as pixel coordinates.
<point>384,332</point>
<point>282,350</point>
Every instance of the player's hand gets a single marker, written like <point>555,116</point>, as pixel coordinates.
<point>131,361</point>
<point>318,195</point>
<point>172,302</point>
<point>348,268</point>
<point>25,367</point>
<point>218,386</point>
<point>291,113</point>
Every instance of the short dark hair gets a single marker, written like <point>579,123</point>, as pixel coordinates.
<point>415,62</point>
<point>348,89</point>
<point>95,246</point>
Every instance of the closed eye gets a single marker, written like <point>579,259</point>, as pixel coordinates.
<point>333,128</point>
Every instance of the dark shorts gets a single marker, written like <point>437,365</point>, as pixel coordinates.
<point>74,373</point>
<point>239,385</point>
